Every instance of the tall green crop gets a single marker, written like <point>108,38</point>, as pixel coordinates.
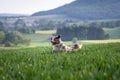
<point>92,62</point>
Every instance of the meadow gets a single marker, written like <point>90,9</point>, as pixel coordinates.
<point>42,38</point>
<point>113,32</point>
<point>97,60</point>
<point>92,62</point>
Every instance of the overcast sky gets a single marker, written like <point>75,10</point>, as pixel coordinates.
<point>29,6</point>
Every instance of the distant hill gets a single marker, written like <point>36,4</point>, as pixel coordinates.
<point>87,10</point>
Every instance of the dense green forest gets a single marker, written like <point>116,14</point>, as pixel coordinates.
<point>82,32</point>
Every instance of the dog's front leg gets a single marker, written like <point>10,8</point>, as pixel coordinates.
<point>63,49</point>
<point>54,51</point>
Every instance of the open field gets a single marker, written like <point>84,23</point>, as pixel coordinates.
<point>113,32</point>
<point>42,38</point>
<point>96,60</point>
<point>100,41</point>
<point>38,39</point>
<point>46,32</point>
<point>93,61</point>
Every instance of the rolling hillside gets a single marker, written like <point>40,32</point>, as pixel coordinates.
<point>87,10</point>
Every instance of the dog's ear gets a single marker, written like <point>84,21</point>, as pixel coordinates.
<point>59,36</point>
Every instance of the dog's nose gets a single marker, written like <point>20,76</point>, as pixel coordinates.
<point>51,41</point>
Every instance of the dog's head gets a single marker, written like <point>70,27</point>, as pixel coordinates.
<point>55,40</point>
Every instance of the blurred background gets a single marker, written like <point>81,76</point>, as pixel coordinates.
<point>32,23</point>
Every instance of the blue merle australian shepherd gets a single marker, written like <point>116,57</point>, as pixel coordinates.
<point>58,45</point>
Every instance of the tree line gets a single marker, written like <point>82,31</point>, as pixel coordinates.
<point>106,24</point>
<point>82,33</point>
<point>11,38</point>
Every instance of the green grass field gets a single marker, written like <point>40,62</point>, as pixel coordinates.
<point>42,38</point>
<point>97,60</point>
<point>99,41</point>
<point>92,62</point>
<point>46,32</point>
<point>113,32</point>
<point>38,39</point>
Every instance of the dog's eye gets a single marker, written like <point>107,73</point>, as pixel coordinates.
<point>51,38</point>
